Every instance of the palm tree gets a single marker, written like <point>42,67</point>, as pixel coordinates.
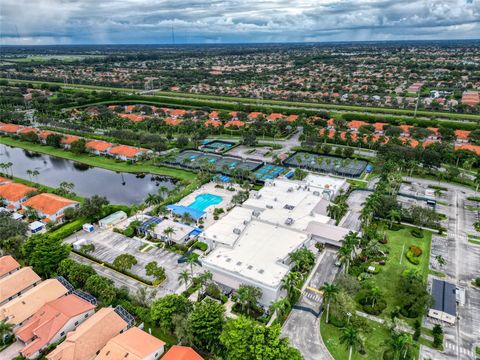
<point>399,344</point>
<point>330,292</point>
<point>184,277</point>
<point>29,173</point>
<point>152,199</point>
<point>375,294</point>
<point>351,338</point>
<point>280,306</point>
<point>5,330</point>
<point>248,296</point>
<point>303,259</point>
<point>191,261</point>
<point>393,215</point>
<point>204,278</point>
<point>291,283</point>
<point>440,260</point>
<point>35,173</point>
<point>344,254</point>
<point>168,232</point>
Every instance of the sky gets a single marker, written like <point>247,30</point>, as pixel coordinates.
<point>46,22</point>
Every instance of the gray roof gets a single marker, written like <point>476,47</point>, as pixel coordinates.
<point>444,297</point>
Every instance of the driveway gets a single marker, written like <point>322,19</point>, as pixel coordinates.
<point>303,324</point>
<point>12,351</point>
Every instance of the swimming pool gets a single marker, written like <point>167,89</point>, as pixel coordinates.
<point>203,201</point>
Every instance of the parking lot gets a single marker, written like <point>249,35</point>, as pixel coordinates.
<point>109,245</point>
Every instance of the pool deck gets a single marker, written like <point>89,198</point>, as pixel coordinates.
<point>210,188</point>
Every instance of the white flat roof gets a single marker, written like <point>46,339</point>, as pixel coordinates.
<point>327,231</point>
<point>325,182</point>
<point>181,230</point>
<point>222,231</point>
<point>258,253</point>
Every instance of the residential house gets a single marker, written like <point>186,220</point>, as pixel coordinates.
<point>468,147</point>
<point>4,181</point>
<point>274,116</point>
<point>434,134</point>
<point>17,283</point>
<point>254,115</point>
<point>124,152</point>
<point>213,123</point>
<point>292,118</point>
<point>50,206</point>
<point>8,265</point>
<point>172,121</point>
<point>405,130</point>
<point>90,337</point>
<point>14,194</point>
<point>10,128</point>
<point>16,311</point>
<point>379,128</point>
<point>51,322</point>
<point>178,352</point>
<point>98,147</point>
<point>354,125</point>
<point>132,117</point>
<point>67,141</point>
<point>462,136</point>
<point>177,112</point>
<point>234,123</point>
<point>133,344</point>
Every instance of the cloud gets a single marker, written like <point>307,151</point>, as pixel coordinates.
<point>152,21</point>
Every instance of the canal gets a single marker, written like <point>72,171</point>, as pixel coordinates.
<point>118,188</point>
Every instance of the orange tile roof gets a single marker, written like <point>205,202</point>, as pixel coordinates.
<point>10,128</point>
<point>68,139</point>
<point>212,122</point>
<point>90,337</point>
<point>379,126</point>
<point>172,121</point>
<point>355,124</point>
<point>274,116</point>
<point>21,308</point>
<point>329,132</point>
<point>15,191</point>
<point>132,117</point>
<point>7,264</point>
<point>406,140</point>
<point>177,112</point>
<point>4,180</point>
<point>292,118</point>
<point>47,322</point>
<point>213,114</point>
<point>177,352</point>
<point>133,344</point>
<point>254,115</point>
<point>26,130</point>
<point>44,133</point>
<point>353,135</point>
<point>98,145</point>
<point>429,142</point>
<point>124,150</point>
<point>405,128</point>
<point>237,123</point>
<point>331,122</point>
<point>16,282</point>
<point>433,130</point>
<point>129,108</point>
<point>469,147</point>
<point>48,204</point>
<point>462,134</point>
<point>233,114</point>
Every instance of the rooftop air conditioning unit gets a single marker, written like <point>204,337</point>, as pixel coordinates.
<point>237,231</point>
<point>274,199</point>
<point>245,222</point>
<point>256,213</point>
<point>290,189</point>
<point>289,221</point>
<point>316,193</point>
<point>269,207</point>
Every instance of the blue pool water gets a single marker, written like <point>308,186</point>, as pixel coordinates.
<point>203,201</point>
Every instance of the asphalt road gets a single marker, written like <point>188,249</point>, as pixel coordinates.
<point>303,323</point>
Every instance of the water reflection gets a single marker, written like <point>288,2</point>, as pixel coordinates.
<point>119,188</point>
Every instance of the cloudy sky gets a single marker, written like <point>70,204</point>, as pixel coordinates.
<point>233,21</point>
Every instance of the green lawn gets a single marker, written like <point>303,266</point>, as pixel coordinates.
<point>374,341</point>
<point>101,161</point>
<point>390,274</point>
<point>160,334</point>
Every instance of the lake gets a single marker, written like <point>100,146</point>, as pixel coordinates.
<point>118,188</point>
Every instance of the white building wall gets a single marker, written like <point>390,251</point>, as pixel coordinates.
<point>156,354</point>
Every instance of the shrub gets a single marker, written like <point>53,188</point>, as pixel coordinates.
<point>396,227</point>
<point>476,282</point>
<point>412,258</point>
<point>418,233</point>
<point>380,305</point>
<point>336,322</point>
<point>416,250</point>
<point>201,246</point>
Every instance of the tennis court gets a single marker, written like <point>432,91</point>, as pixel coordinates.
<point>269,172</point>
<point>216,146</point>
<point>327,164</point>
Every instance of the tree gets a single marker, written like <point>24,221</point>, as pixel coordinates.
<point>10,228</point>
<point>168,232</point>
<point>54,140</point>
<point>184,277</point>
<point>44,254</point>
<point>163,309</point>
<point>351,338</point>
<point>78,147</point>
<point>191,260</point>
<point>246,339</point>
<point>93,206</point>
<point>248,296</point>
<point>102,288</point>
<point>393,215</point>
<point>124,262</point>
<point>437,333</point>
<point>206,324</point>
<point>6,330</point>
<point>330,291</point>
<point>441,260</point>
<point>280,306</point>
<point>303,259</point>
<point>152,269</point>
<point>77,274</point>
<point>399,344</point>
<point>291,283</point>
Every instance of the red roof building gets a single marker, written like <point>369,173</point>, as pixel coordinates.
<point>8,265</point>
<point>98,146</point>
<point>15,192</point>
<point>173,121</point>
<point>177,112</point>
<point>254,115</point>
<point>10,128</point>
<point>177,352</point>
<point>213,123</point>
<point>292,118</point>
<point>471,98</point>
<point>462,135</point>
<point>354,125</point>
<point>69,139</point>
<point>132,117</point>
<point>468,147</point>
<point>126,152</point>
<point>274,116</point>
<point>50,206</point>
<point>236,123</point>
<point>50,321</point>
